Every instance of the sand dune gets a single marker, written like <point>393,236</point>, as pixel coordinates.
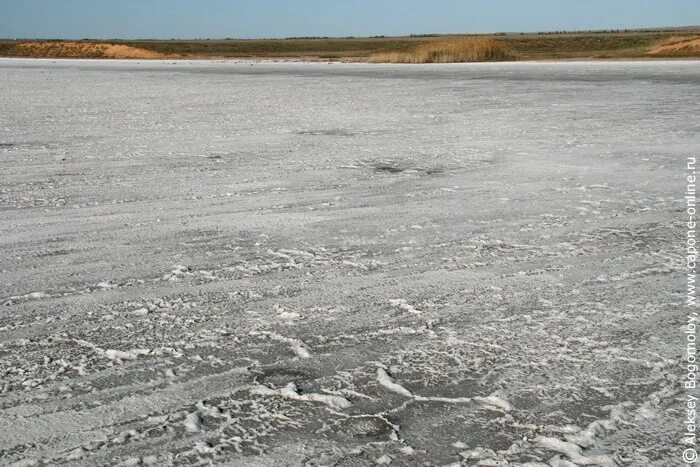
<point>86,50</point>
<point>677,46</point>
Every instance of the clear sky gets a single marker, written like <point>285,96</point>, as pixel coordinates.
<point>99,19</point>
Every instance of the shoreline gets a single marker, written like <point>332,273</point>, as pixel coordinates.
<point>353,61</point>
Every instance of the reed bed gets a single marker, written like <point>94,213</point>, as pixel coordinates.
<point>471,49</point>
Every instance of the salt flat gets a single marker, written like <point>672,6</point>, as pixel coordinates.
<point>343,264</point>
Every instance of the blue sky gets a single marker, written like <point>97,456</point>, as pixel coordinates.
<point>75,19</point>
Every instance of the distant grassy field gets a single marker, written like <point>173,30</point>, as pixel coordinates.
<point>541,46</point>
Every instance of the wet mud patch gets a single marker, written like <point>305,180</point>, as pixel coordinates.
<point>281,376</point>
<point>49,253</point>
<point>29,145</point>
<point>394,167</point>
<point>388,168</point>
<point>328,132</point>
<point>461,428</point>
<point>434,171</point>
<point>574,405</point>
<point>367,428</point>
<point>456,389</point>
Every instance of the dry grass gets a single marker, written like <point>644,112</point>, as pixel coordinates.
<point>470,49</point>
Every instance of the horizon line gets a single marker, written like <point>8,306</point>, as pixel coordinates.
<point>379,36</point>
